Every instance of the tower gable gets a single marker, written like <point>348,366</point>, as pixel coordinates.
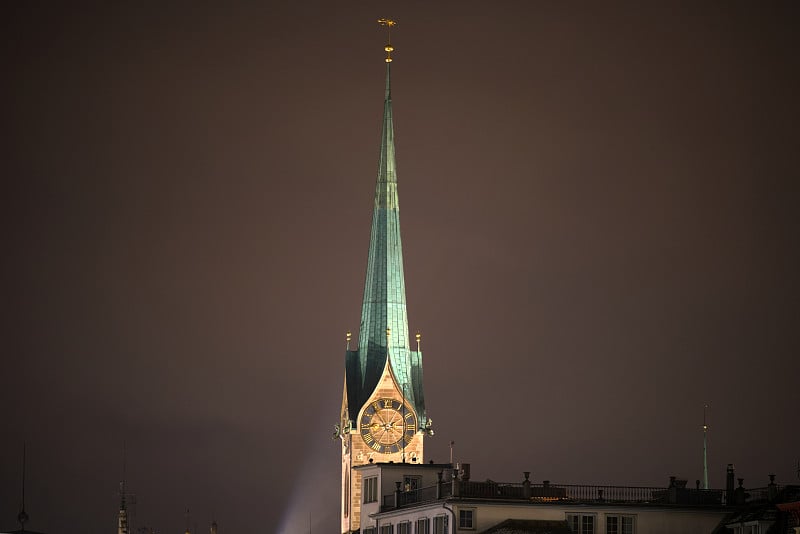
<point>387,388</point>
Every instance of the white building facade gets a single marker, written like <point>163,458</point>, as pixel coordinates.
<point>428,499</point>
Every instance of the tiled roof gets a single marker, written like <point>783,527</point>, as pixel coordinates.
<point>529,526</point>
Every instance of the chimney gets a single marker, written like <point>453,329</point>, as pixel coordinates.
<point>730,485</point>
<point>739,495</point>
<point>772,489</point>
<point>465,472</point>
<point>456,490</point>
<point>672,491</point>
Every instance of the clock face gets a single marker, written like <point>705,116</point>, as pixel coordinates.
<point>387,425</point>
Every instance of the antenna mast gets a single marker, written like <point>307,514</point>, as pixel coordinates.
<point>22,517</point>
<point>124,466</point>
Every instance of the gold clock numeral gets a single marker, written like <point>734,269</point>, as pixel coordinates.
<point>409,415</point>
<point>387,403</point>
<point>369,439</point>
<point>376,446</point>
<point>376,405</point>
<point>411,427</point>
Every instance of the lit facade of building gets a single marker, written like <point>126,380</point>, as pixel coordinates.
<point>446,501</point>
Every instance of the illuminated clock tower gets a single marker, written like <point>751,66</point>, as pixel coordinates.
<point>383,416</point>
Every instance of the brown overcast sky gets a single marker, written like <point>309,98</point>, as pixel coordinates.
<point>600,220</point>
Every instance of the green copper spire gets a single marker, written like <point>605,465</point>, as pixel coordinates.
<point>384,304</point>
<point>385,292</point>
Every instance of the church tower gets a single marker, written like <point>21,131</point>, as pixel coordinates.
<point>383,416</point>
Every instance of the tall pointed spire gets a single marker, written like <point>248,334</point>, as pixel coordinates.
<point>384,304</point>
<point>383,414</point>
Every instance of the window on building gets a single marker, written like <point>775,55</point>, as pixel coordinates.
<point>371,489</point>
<point>411,483</point>
<point>387,529</point>
<point>410,486</point>
<point>369,530</point>
<point>587,524</point>
<point>581,523</point>
<point>404,527</point>
<point>440,524</point>
<point>423,526</point>
<point>466,518</point>
<point>620,524</point>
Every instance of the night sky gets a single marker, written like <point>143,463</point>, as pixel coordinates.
<point>599,205</point>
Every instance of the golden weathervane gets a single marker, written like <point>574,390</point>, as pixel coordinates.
<point>389,48</point>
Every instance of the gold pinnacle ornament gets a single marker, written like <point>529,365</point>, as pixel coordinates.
<point>389,48</point>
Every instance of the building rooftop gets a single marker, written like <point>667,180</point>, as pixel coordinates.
<point>530,526</point>
<point>547,492</point>
<point>406,465</point>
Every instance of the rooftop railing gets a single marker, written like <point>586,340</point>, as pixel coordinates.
<point>552,493</point>
<point>763,494</point>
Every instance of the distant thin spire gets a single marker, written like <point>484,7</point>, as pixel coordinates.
<point>122,517</point>
<point>705,448</point>
<point>124,466</point>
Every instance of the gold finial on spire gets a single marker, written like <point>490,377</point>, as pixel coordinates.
<point>419,339</point>
<point>349,337</point>
<point>389,48</point>
<point>388,335</point>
